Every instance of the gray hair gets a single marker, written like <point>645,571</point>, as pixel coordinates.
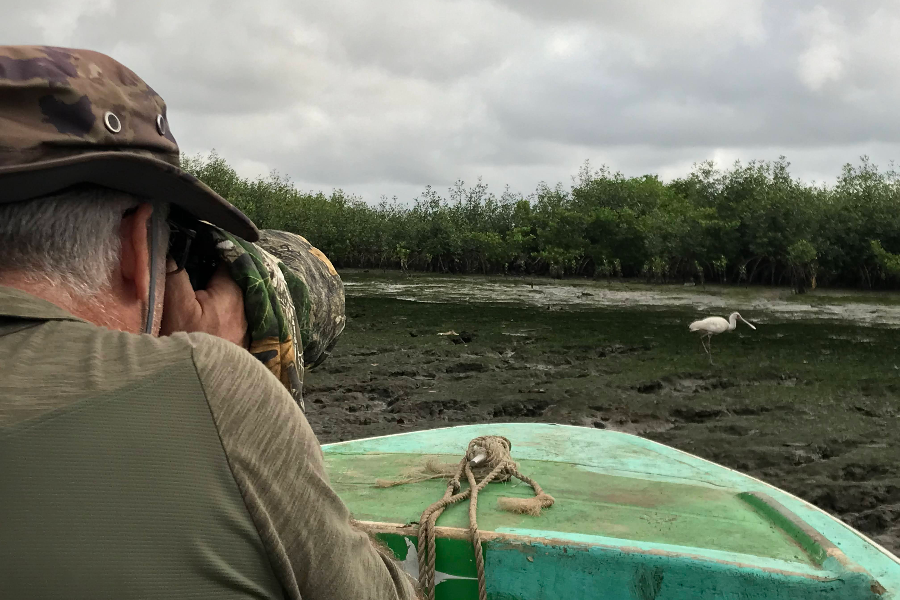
<point>71,238</point>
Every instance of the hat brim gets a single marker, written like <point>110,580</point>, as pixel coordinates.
<point>136,174</point>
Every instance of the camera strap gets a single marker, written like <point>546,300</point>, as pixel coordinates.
<point>154,257</point>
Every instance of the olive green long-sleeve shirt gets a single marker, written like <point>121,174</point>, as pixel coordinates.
<point>142,467</point>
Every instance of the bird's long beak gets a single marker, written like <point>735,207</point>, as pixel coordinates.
<point>748,323</point>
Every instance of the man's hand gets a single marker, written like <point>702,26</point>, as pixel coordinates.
<point>217,310</point>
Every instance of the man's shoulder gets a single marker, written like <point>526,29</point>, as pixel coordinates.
<point>251,408</point>
<point>219,364</point>
<point>52,364</point>
<point>78,347</point>
<point>212,354</point>
<point>78,350</point>
<point>140,353</point>
<point>230,373</point>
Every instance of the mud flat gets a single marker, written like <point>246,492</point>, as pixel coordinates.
<point>809,402</point>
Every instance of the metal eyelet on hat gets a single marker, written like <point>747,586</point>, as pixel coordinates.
<point>112,122</point>
<point>161,124</point>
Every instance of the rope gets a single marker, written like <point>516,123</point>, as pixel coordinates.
<point>487,458</point>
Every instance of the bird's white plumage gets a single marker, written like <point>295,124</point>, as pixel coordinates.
<point>711,326</point>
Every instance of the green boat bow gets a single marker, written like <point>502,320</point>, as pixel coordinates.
<point>633,519</point>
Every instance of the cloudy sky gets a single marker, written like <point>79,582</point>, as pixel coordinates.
<point>385,97</point>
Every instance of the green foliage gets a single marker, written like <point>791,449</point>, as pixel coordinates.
<point>887,262</point>
<point>801,252</point>
<point>751,223</point>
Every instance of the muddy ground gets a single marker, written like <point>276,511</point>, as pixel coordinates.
<point>809,402</point>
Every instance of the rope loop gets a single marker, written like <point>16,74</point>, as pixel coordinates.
<point>487,459</point>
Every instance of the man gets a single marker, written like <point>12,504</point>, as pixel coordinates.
<point>138,466</point>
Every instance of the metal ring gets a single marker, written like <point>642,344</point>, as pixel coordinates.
<point>161,124</point>
<point>113,123</point>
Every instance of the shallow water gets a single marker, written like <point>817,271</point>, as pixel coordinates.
<point>761,307</point>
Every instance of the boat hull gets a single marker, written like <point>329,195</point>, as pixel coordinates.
<point>633,519</point>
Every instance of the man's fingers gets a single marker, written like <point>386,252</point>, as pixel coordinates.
<point>178,289</point>
<point>209,311</point>
<point>180,305</point>
<point>221,276</point>
<point>223,307</point>
<point>224,286</point>
<point>218,310</point>
<point>227,293</point>
<point>222,283</point>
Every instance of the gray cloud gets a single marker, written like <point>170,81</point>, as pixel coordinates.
<point>385,98</point>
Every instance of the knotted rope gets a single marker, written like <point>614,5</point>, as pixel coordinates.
<point>487,459</point>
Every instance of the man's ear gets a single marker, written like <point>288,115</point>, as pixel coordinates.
<point>136,251</point>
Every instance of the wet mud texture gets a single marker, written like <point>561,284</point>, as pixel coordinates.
<point>809,406</point>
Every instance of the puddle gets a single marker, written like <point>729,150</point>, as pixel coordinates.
<point>556,296</point>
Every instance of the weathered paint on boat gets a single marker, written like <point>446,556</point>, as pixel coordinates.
<point>633,520</point>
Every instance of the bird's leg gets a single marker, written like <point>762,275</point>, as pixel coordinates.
<point>709,341</point>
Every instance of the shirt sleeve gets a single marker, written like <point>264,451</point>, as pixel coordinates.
<point>314,550</point>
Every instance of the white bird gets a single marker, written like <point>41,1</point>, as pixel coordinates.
<point>711,326</point>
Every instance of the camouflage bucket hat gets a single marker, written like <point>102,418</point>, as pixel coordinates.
<point>69,117</point>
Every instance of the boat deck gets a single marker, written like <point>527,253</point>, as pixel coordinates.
<point>591,504</point>
<point>620,495</point>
